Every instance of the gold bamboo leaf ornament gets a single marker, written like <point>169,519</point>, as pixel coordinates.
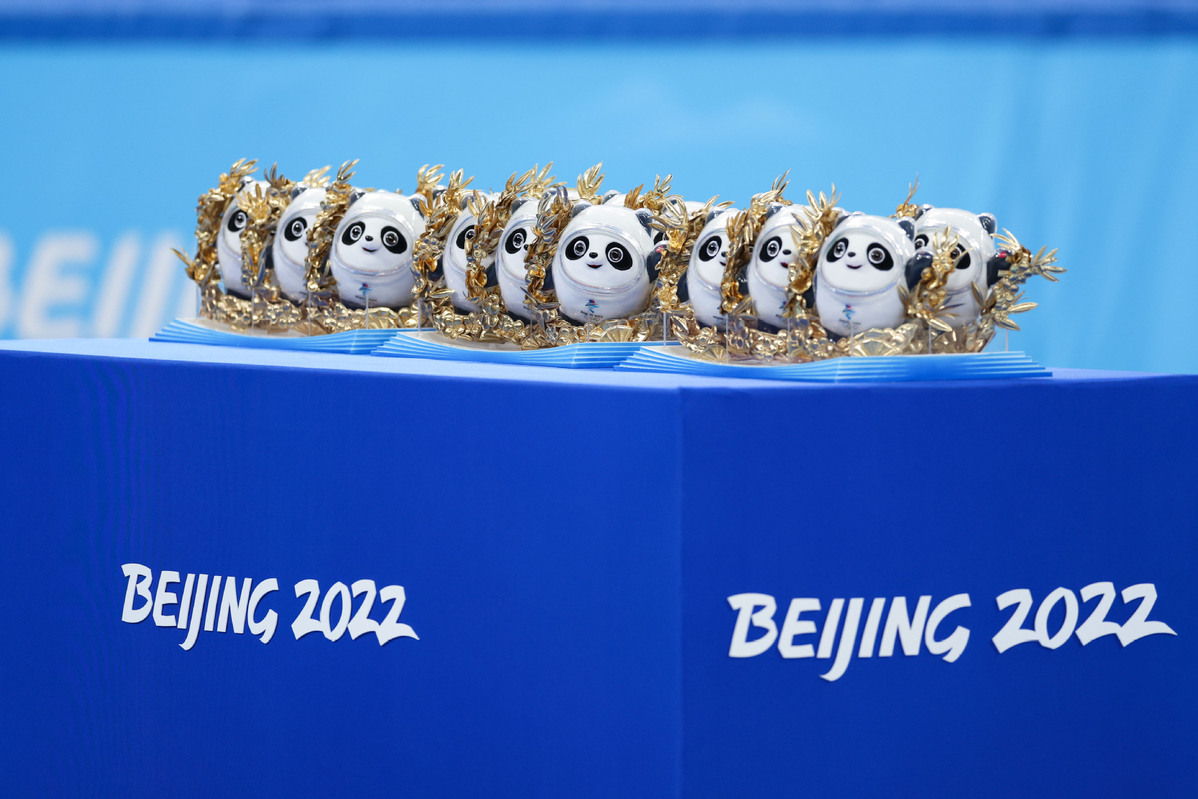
<point>441,214</point>
<point>490,218</point>
<point>681,228</point>
<point>907,208</point>
<point>925,301</point>
<point>742,234</point>
<point>489,321</point>
<point>324,308</point>
<point>320,284</point>
<point>817,220</point>
<point>210,209</point>
<point>1006,294</point>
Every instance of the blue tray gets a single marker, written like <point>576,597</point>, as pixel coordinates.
<point>590,355</point>
<point>892,368</point>
<point>351,342</point>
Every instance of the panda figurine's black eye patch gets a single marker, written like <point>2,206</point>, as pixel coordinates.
<point>237,221</point>
<point>618,256</point>
<point>879,257</point>
<point>577,248</point>
<point>353,233</point>
<point>710,248</point>
<point>837,250</point>
<point>771,248</point>
<point>515,241</point>
<point>465,235</point>
<point>961,256</point>
<point>295,229</point>
<point>394,241</point>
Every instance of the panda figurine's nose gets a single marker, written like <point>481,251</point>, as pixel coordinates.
<point>594,255</point>
<point>370,238</point>
<point>852,255</point>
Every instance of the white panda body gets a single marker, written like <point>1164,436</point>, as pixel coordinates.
<point>768,271</point>
<point>289,250</point>
<point>454,259</point>
<point>705,271</point>
<point>858,274</point>
<point>975,249</point>
<point>371,256</point>
<point>228,242</point>
<point>510,271</point>
<point>600,269</point>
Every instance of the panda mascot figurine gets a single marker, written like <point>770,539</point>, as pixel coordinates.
<point>605,265</point>
<point>289,250</point>
<point>768,272</point>
<point>976,259</point>
<point>454,263</point>
<point>859,270</point>
<point>510,270</point>
<point>705,271</point>
<point>371,256</point>
<point>228,243</point>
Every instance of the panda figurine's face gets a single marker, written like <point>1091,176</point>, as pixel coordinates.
<point>972,253</point>
<point>775,250</point>
<point>512,273</point>
<point>974,244</point>
<point>290,246</point>
<point>373,243</point>
<point>456,263</point>
<point>600,269</point>
<point>600,258</point>
<point>371,257</point>
<point>860,260</point>
<point>228,242</point>
<point>710,255</point>
<point>768,270</point>
<point>705,270</point>
<point>860,268</point>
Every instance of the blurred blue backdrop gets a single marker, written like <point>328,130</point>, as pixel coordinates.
<point>1075,126</point>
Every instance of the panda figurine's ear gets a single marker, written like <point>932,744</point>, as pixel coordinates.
<point>908,226</point>
<point>579,207</point>
<point>915,266</point>
<point>996,266</point>
<point>923,209</point>
<point>415,201</point>
<point>773,209</point>
<point>516,205</point>
<point>712,214</point>
<point>608,195</point>
<point>356,195</point>
<point>989,223</point>
<point>645,217</point>
<point>297,190</point>
<point>843,217</point>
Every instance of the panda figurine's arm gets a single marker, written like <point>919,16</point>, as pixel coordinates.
<point>915,266</point>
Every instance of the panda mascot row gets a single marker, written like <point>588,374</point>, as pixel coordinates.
<point>859,269</point>
<point>605,262</point>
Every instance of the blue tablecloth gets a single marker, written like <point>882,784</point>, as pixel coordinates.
<point>612,584</point>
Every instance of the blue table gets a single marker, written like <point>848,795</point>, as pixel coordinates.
<point>612,584</point>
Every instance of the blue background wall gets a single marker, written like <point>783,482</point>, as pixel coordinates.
<point>1074,126</point>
